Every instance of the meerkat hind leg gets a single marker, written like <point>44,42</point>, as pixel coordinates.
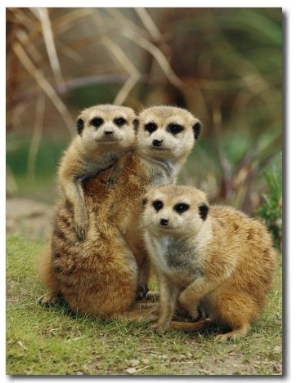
<point>236,310</point>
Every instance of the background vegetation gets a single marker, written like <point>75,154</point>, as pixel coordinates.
<point>224,65</point>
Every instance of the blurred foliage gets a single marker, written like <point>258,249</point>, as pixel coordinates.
<point>222,64</point>
<point>271,209</point>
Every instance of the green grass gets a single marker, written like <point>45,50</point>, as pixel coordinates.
<point>51,341</point>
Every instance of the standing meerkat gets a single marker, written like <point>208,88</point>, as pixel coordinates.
<point>165,138</point>
<point>101,274</point>
<point>214,254</point>
<point>105,133</point>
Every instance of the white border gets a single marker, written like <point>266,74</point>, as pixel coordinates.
<point>292,187</point>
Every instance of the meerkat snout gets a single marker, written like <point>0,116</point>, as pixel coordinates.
<point>108,132</point>
<point>157,143</point>
<point>164,222</point>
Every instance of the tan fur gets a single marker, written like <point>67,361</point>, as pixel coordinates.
<point>105,133</point>
<point>224,258</point>
<point>99,275</point>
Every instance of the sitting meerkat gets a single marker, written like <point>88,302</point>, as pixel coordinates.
<point>101,274</point>
<point>213,254</point>
<point>105,132</point>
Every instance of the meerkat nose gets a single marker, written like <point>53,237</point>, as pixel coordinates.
<point>108,132</point>
<point>164,222</point>
<point>157,143</point>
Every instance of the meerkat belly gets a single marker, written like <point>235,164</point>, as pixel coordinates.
<point>177,260</point>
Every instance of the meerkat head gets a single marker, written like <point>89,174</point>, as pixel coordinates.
<point>175,210</point>
<point>107,126</point>
<point>167,132</point>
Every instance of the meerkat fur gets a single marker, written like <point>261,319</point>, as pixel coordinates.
<point>211,253</point>
<point>102,274</point>
<point>105,132</point>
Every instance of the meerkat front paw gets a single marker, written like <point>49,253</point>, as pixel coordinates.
<point>48,299</point>
<point>81,230</point>
<point>81,224</point>
<point>160,328</point>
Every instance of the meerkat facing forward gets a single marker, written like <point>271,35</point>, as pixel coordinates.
<point>213,253</point>
<point>100,275</point>
<point>165,138</point>
<point>105,132</point>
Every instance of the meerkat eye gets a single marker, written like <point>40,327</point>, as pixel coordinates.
<point>181,207</point>
<point>175,128</point>
<point>120,121</point>
<point>157,204</point>
<point>150,127</point>
<point>96,122</point>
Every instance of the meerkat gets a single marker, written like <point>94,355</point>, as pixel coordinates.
<point>105,132</point>
<point>165,138</point>
<point>206,253</point>
<point>102,274</point>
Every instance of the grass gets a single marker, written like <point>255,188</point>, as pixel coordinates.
<point>51,341</point>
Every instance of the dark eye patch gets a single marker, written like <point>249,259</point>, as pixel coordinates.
<point>97,121</point>
<point>79,125</point>
<point>175,128</point>
<point>203,211</point>
<point>120,121</point>
<point>150,127</point>
<point>181,207</point>
<point>157,204</point>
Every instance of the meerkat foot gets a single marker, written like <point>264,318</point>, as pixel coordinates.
<point>48,299</point>
<point>141,292</point>
<point>233,335</point>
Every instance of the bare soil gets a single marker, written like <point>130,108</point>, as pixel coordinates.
<point>30,218</point>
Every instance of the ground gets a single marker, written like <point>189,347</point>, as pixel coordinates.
<point>28,217</point>
<point>31,342</point>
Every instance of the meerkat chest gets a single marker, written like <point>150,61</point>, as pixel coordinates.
<point>161,172</point>
<point>176,258</point>
<point>100,163</point>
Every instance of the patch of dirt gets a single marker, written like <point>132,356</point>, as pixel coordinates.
<point>30,218</point>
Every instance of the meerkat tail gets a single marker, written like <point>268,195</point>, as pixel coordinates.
<point>200,325</point>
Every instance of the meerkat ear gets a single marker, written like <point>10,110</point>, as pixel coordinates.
<point>144,201</point>
<point>203,211</point>
<point>79,125</point>
<point>136,123</point>
<point>197,129</point>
